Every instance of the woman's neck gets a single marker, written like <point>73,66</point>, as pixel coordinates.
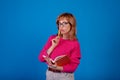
<point>65,37</point>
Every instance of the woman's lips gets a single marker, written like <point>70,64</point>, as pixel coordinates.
<point>62,30</point>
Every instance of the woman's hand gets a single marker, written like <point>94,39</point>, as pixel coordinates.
<point>51,64</point>
<point>55,67</point>
<point>48,60</point>
<point>55,41</point>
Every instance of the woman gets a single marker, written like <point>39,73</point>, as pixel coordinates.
<point>64,43</point>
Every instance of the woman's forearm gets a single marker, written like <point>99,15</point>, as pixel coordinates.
<point>49,51</point>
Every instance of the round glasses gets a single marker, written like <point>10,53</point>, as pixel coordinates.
<point>63,24</point>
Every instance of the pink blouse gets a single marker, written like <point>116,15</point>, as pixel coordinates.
<point>65,47</point>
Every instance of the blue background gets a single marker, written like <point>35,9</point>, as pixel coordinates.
<point>25,26</point>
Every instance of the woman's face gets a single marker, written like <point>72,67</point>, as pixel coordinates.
<point>64,26</point>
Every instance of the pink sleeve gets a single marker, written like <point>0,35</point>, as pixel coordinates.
<point>43,51</point>
<point>75,60</point>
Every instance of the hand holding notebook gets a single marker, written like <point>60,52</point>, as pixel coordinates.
<point>61,60</point>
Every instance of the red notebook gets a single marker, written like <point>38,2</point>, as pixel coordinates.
<point>61,60</point>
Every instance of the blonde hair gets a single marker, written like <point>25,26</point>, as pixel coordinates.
<point>72,21</point>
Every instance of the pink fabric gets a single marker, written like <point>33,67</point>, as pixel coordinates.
<point>68,47</point>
